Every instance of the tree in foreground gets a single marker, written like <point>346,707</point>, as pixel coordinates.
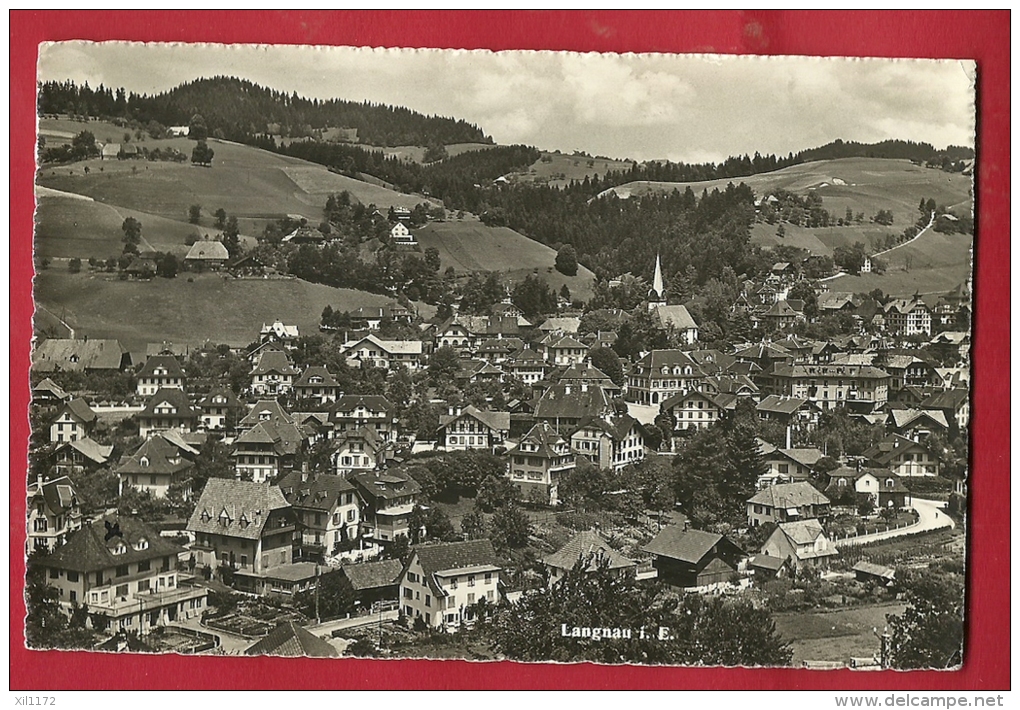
<point>336,597</point>
<point>635,624</point>
<point>929,633</point>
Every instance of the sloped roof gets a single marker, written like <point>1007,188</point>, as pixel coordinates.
<point>75,355</point>
<point>280,330</point>
<point>789,495</point>
<point>950,399</point>
<point>563,401</point>
<point>807,456</point>
<point>544,437</point>
<point>618,428</point>
<point>392,347</point>
<point>807,371</point>
<point>780,309</point>
<point>802,532</point>
<point>496,421</point>
<point>586,372</point>
<point>767,562</point>
<point>247,506</point>
<point>567,341</point>
<point>289,639</point>
<point>384,485</point>
<point>274,361</point>
<point>889,448</point>
<point>873,569</point>
<point>90,449</point>
<point>166,362</point>
<point>319,493</point>
<point>79,409</point>
<point>58,494</point>
<point>761,351</point>
<point>722,401</point>
<point>316,371</point>
<point>161,455</point>
<point>371,402</point>
<point>656,359</point>
<point>446,556</point>
<point>588,545</point>
<point>781,405</point>
<point>207,251</point>
<point>677,317</point>
<point>373,575</point>
<point>226,393</point>
<point>564,324</point>
<point>902,418</point>
<point>88,550</point>
<point>269,408</point>
<point>685,545</point>
<point>50,387</point>
<point>305,234</point>
<point>175,398</point>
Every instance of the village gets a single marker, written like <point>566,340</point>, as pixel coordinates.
<point>392,481</point>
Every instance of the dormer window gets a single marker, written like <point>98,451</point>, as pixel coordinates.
<point>889,483</point>
<point>143,462</point>
<point>205,516</point>
<point>224,518</point>
<point>141,544</point>
<point>120,548</point>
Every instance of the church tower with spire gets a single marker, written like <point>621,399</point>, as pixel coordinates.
<point>657,296</point>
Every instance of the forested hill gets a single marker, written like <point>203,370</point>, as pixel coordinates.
<point>237,109</point>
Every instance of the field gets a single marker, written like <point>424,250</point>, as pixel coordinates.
<point>468,245</point>
<point>212,307</point>
<point>557,169</point>
<point>835,635</point>
<point>416,153</point>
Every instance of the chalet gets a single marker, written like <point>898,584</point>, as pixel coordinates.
<point>472,371</point>
<point>802,542</point>
<point>74,421</point>
<point>389,498</point>
<point>317,384</point>
<point>54,512</point>
<point>497,351</point>
<point>442,583</point>
<point>267,450</point>
<point>917,424</point>
<point>908,316</point>
<point>210,255</point>
<point>123,569</point>
<point>372,317</point>
<point>565,351</point>
<point>765,567</point>
<point>737,385</point>
<point>538,463</point>
<point>473,428</point>
<point>507,308</point>
<point>565,406</point>
<point>693,558</point>
<point>453,334</point>
<point>661,374</point>
<point>359,449</point>
<point>327,509</point>
<point>678,323</point>
<point>84,355</point>
<point>780,316</point>
<point>169,408</point>
<point>351,412</point>
<point>698,410</point>
<point>290,639</point>
<point>867,572</point>
<point>589,552</point>
<point>246,526</point>
<point>765,355</point>
<point>277,332</point>
<point>159,372</point>
<point>526,365</point>
<point>862,388</point>
<point>907,371</point>
<point>788,465</point>
<point>830,302</point>
<point>273,374</point>
<point>609,443</point>
<point>904,457</point>
<point>401,236</point>
<point>221,409</point>
<point>951,344</point>
<point>374,582</point>
<point>305,235</point>
<point>785,502</point>
<point>955,405</point>
<point>161,463</point>
<point>798,412</point>
<point>141,268</point>
<point>387,354</point>
<point>48,393</point>
<point>882,487</point>
<point>565,325</point>
<point>80,456</point>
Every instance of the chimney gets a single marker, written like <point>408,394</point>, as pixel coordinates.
<point>687,524</point>
<point>304,476</point>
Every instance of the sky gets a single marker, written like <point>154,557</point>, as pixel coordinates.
<point>690,108</point>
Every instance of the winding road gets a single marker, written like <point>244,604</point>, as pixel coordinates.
<point>929,517</point>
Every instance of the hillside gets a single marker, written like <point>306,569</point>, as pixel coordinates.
<point>558,169</point>
<point>209,307</point>
<point>469,245</point>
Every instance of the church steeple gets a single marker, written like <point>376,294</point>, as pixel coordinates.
<point>657,281</point>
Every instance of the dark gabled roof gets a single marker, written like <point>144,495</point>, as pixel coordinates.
<point>711,361</point>
<point>789,495</point>
<point>804,456</point>
<point>163,457</point>
<point>350,402</point>
<point>247,506</point>
<point>760,351</point>
<point>950,399</point>
<point>373,575</point>
<point>285,436</point>
<point>589,546</point>
<point>722,401</point>
<point>90,449</point>
<point>617,429</point>
<point>563,401</point>
<point>269,408</point>
<point>228,394</point>
<point>207,251</point>
<point>77,355</point>
<point>889,448</point>
<point>384,485</point>
<point>51,388</point>
<point>79,409</point>
<point>495,421</point>
<point>88,550</point>
<point>803,532</point>
<point>167,362</point>
<point>289,639</point>
<point>316,371</point>
<point>455,555</point>
<point>780,309</point>
<point>767,562</point>
<point>888,482</point>
<point>656,359</point>
<point>781,405</point>
<point>318,493</point>
<point>586,372</point>
<point>677,317</point>
<point>59,494</point>
<point>689,546</point>
<point>274,361</point>
<point>175,398</point>
<point>873,569</point>
<point>544,437</point>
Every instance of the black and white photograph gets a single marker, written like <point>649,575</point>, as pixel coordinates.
<point>653,359</point>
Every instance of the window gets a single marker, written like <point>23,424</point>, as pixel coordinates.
<point>408,594</point>
<point>490,595</point>
<point>54,574</point>
<point>144,566</point>
<point>451,603</point>
<point>72,576</point>
<point>74,595</point>
<point>488,577</point>
<point>428,600</point>
<point>350,516</point>
<point>122,590</point>
<point>471,580</point>
<point>143,585</point>
<point>471,599</point>
<point>122,571</point>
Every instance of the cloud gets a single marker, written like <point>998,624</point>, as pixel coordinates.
<point>696,107</point>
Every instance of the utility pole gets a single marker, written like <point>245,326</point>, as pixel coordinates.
<point>317,620</point>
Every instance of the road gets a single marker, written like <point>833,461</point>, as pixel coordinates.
<point>929,517</point>
<point>917,236</point>
<point>328,627</point>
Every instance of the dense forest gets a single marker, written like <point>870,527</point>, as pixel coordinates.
<point>237,110</point>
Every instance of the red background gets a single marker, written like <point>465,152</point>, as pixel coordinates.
<point>983,36</point>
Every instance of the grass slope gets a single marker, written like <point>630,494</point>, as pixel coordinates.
<point>834,635</point>
<point>247,182</point>
<point>212,307</point>
<point>558,169</point>
<point>468,245</point>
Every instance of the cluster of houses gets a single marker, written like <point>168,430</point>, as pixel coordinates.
<point>277,522</point>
